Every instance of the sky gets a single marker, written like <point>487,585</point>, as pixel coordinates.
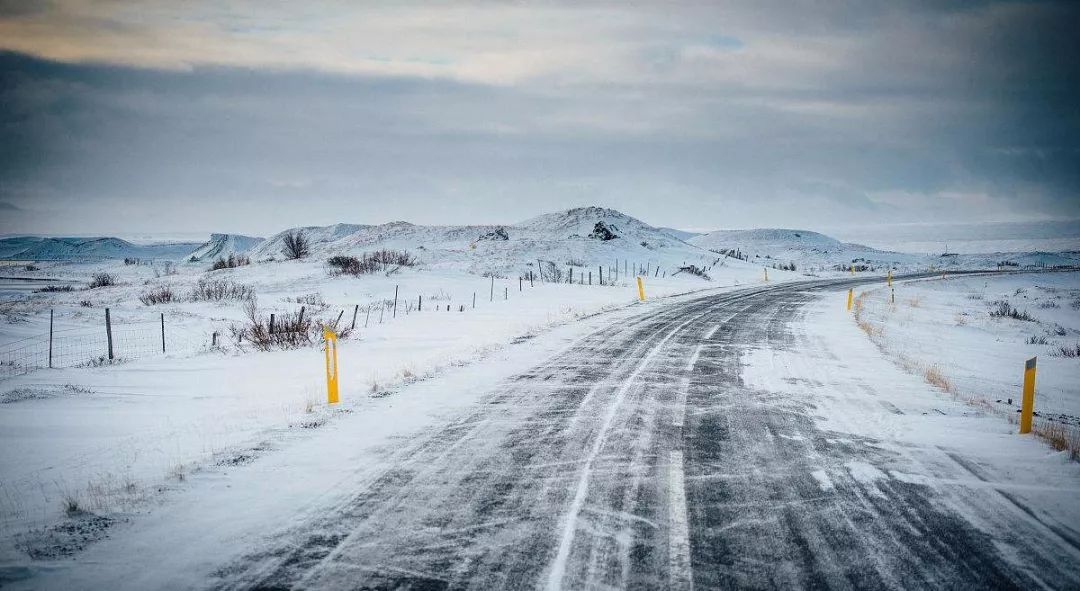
<point>159,116</point>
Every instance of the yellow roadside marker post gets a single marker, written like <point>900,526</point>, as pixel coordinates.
<point>849,294</point>
<point>888,278</point>
<point>331,366</point>
<point>1027,405</point>
<point>640,290</point>
<point>852,269</point>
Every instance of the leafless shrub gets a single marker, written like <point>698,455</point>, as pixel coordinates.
<point>231,262</point>
<point>1036,340</point>
<point>131,261</point>
<point>31,267</point>
<point>86,303</point>
<point>1002,309</point>
<point>373,262</point>
<point>1071,351</point>
<point>1047,304</point>
<point>572,262</point>
<point>55,288</point>
<point>219,290</point>
<point>161,295</point>
<point>296,246</point>
<point>102,280</point>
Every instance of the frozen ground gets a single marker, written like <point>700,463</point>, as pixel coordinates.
<point>947,325</point>
<point>753,438</point>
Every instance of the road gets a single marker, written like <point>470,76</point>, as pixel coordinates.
<point>639,459</point>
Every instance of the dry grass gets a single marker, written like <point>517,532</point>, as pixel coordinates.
<point>1060,436</point>
<point>934,377</point>
<point>915,302</point>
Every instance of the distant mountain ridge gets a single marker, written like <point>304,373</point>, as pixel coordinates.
<point>67,248</point>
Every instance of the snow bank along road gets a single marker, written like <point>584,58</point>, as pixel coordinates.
<point>640,458</point>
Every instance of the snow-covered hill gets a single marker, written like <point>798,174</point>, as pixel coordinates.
<point>807,250</point>
<point>222,246</point>
<point>38,248</point>
<point>584,237</point>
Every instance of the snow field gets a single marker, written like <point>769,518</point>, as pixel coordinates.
<point>113,439</point>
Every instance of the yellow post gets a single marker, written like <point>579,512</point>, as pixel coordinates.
<point>852,269</point>
<point>1027,405</point>
<point>331,366</point>
<point>766,274</point>
<point>888,278</point>
<point>640,289</point>
<point>849,294</point>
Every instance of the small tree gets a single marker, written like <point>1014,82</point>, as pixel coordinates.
<point>296,246</point>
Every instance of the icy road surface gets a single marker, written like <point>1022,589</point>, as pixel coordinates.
<point>644,458</point>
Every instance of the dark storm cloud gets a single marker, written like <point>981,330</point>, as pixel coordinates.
<point>705,116</point>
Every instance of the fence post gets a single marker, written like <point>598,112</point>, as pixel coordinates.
<point>213,339</point>
<point>590,277</point>
<point>339,318</point>
<point>506,293</point>
<point>162,332</point>
<point>419,303</point>
<point>50,337</point>
<point>271,323</point>
<point>108,332</point>
<point>531,279</point>
<point>492,288</point>
<point>657,274</point>
<point>571,280</point>
<point>395,301</point>
<point>301,321</point>
<point>474,300</point>
<point>354,312</point>
<point>521,284</point>
<point>601,274</point>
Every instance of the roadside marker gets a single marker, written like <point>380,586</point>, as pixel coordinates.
<point>331,367</point>
<point>888,278</point>
<point>1027,406</point>
<point>640,289</point>
<point>849,294</point>
<point>766,274</point>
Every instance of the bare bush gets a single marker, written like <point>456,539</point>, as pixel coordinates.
<point>220,289</point>
<point>1002,309</point>
<point>161,295</point>
<point>55,288</point>
<point>102,280</point>
<point>1071,351</point>
<point>296,246</point>
<point>231,262</point>
<point>693,270</point>
<point>575,263</point>
<point>374,262</point>
<point>1036,340</point>
<point>290,330</point>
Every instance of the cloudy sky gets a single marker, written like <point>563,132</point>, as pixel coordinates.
<point>165,116</point>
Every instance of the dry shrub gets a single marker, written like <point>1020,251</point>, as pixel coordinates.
<point>161,295</point>
<point>1066,351</point>
<point>232,262</point>
<point>1002,309</point>
<point>373,262</point>
<point>291,330</point>
<point>296,246</point>
<point>221,289</point>
<point>102,280</point>
<point>934,377</point>
<point>915,302</point>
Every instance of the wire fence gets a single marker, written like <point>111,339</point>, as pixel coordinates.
<point>96,346</point>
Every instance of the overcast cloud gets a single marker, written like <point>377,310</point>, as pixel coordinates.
<point>184,116</point>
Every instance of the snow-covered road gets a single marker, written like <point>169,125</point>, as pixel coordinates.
<point>746,439</point>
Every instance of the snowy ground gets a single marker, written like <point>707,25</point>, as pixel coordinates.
<point>946,325</point>
<point>112,439</point>
<point>748,438</point>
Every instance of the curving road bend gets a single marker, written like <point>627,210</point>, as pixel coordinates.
<point>640,459</point>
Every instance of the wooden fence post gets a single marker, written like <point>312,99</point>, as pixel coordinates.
<point>162,332</point>
<point>395,301</point>
<point>108,332</point>
<point>474,300</point>
<point>492,288</point>
<point>50,337</point>
<point>367,315</point>
<point>419,303</point>
<point>354,312</point>
<point>271,323</point>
